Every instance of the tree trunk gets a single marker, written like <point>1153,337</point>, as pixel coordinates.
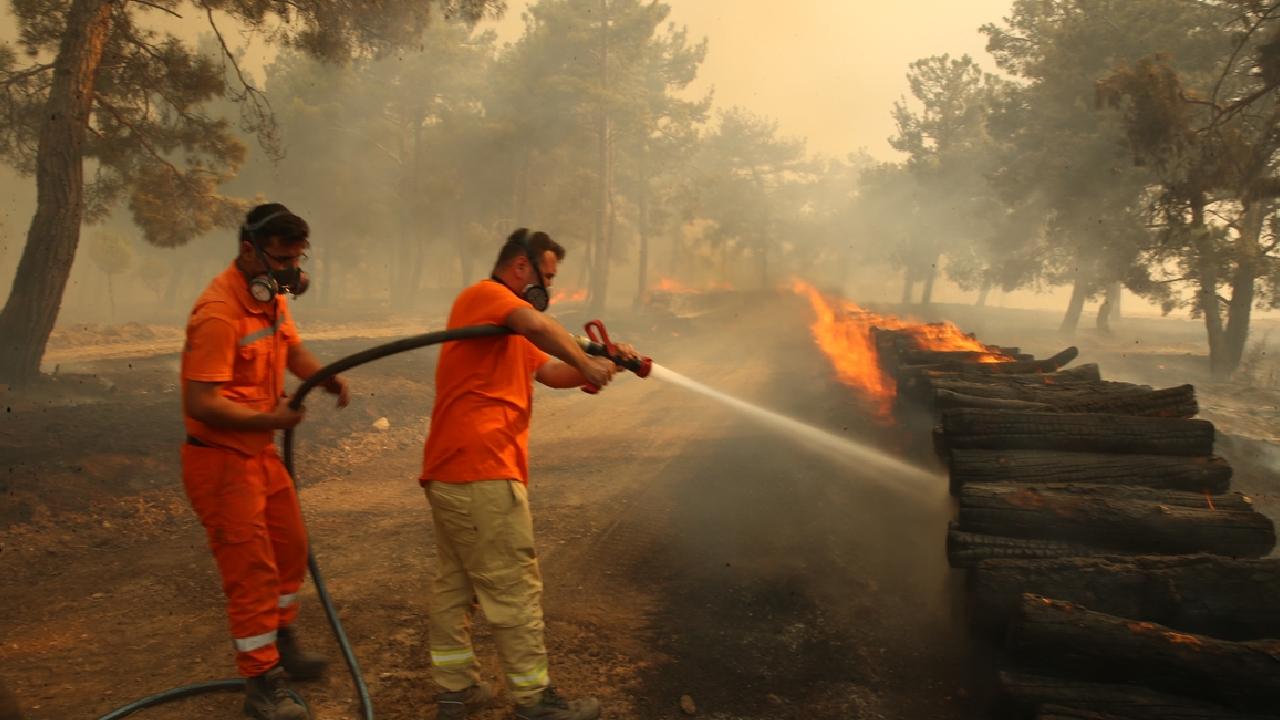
<point>642,229</point>
<point>1243,291</point>
<point>9,709</point>
<point>908,284</point>
<point>1079,293</point>
<point>1026,692</point>
<point>1227,598</point>
<point>41,277</point>
<point>926,294</point>
<point>1169,472</point>
<point>998,430</point>
<point>1094,645</point>
<point>111,300</point>
<point>1207,294</point>
<point>1160,522</point>
<point>604,216</point>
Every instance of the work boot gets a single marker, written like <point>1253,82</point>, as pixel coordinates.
<point>457,704</point>
<point>300,664</point>
<point>267,697</point>
<point>554,707</point>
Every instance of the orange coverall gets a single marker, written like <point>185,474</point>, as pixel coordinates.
<point>235,480</point>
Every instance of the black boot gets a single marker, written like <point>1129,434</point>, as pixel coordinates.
<point>554,707</point>
<point>300,664</point>
<point>267,697</point>
<point>458,704</point>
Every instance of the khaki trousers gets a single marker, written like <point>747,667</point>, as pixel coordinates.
<point>484,548</point>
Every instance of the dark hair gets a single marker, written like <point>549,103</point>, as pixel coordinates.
<point>274,220</point>
<point>537,242</point>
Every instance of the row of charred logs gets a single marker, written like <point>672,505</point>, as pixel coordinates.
<point>1104,550</point>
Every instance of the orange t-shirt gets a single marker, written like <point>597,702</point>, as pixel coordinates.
<point>244,344</point>
<point>484,394</point>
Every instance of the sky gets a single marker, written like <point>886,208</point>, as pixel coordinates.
<point>826,70</point>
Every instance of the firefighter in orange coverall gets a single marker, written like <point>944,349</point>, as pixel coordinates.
<point>240,340</point>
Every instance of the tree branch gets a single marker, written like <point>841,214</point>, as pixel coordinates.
<point>11,78</point>
<point>162,9</point>
<point>263,124</point>
<point>141,136</point>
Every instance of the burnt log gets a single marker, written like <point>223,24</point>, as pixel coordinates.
<point>1092,645</point>
<point>1171,472</point>
<point>998,387</point>
<point>967,549</point>
<point>972,428</point>
<point>1022,693</point>
<point>947,400</point>
<point>1047,365</point>
<point>1175,402</point>
<point>1156,522</point>
<point>908,358</point>
<point>1224,597</point>
<point>1058,712</point>
<point>922,383</point>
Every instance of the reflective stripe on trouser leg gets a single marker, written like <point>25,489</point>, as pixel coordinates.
<point>488,526</point>
<point>288,535</point>
<point>229,493</point>
<point>453,663</point>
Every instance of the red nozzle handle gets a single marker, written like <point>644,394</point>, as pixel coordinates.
<point>599,336</point>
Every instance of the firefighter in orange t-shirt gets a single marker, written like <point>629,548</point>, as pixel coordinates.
<point>475,471</point>
<point>240,340</point>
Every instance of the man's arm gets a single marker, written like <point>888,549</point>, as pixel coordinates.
<point>550,337</point>
<point>205,403</point>
<point>559,374</point>
<point>303,364</point>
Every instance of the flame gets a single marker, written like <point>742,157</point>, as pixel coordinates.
<point>843,331</point>
<point>672,285</point>
<point>562,296</point>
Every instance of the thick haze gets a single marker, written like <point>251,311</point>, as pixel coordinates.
<point>827,70</point>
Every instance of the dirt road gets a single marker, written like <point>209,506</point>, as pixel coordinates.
<point>686,550</point>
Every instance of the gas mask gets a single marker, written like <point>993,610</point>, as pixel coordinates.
<point>265,286</point>
<point>534,293</point>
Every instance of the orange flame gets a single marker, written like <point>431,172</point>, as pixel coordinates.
<point>842,330</point>
<point>561,296</point>
<point>672,285</point>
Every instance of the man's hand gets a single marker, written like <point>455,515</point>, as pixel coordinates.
<point>626,352</point>
<point>598,371</point>
<point>337,385</point>
<point>284,417</point>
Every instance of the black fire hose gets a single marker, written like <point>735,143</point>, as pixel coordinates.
<point>328,371</point>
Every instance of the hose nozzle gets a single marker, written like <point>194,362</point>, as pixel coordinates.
<point>598,343</point>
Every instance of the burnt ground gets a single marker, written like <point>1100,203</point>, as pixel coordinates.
<point>686,550</point>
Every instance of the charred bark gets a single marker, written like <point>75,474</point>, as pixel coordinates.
<point>1094,645</point>
<point>1003,430</point>
<point>1158,522</point>
<point>1023,692</point>
<point>1170,472</point>
<point>1224,597</point>
<point>967,549</point>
